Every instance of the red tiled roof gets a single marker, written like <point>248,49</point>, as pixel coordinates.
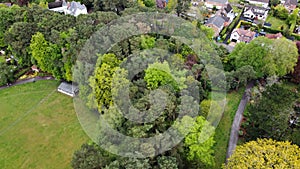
<point>245,35</point>
<point>274,36</point>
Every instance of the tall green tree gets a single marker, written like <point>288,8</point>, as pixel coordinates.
<point>6,73</point>
<point>266,56</point>
<point>101,82</point>
<point>18,37</point>
<point>159,74</point>
<point>182,6</point>
<point>91,156</point>
<point>47,55</point>
<point>270,116</point>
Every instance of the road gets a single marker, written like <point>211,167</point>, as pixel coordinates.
<point>234,134</point>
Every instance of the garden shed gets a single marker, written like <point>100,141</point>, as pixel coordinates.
<point>68,89</point>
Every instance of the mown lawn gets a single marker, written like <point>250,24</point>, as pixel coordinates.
<point>38,127</point>
<point>276,23</point>
<point>223,130</point>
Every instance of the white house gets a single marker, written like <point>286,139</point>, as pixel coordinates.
<point>262,3</point>
<point>219,4</point>
<point>255,12</point>
<point>71,8</point>
<point>290,5</point>
<point>242,35</point>
<point>228,12</point>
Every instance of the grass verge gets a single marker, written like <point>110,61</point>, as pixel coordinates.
<point>38,127</point>
<point>223,130</point>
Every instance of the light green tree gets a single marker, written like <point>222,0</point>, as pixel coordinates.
<point>101,82</point>
<point>264,153</point>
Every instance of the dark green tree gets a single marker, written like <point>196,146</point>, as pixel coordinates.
<point>17,38</point>
<point>6,73</point>
<point>182,6</point>
<point>91,156</point>
<point>270,116</point>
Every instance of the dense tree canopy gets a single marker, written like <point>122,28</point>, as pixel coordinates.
<point>6,73</point>
<point>271,115</point>
<point>296,73</point>
<point>266,56</point>
<point>265,153</point>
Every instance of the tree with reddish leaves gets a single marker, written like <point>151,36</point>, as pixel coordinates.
<point>296,73</point>
<point>23,2</point>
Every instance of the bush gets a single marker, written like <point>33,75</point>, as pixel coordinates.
<point>270,30</point>
<point>21,72</point>
<point>223,32</point>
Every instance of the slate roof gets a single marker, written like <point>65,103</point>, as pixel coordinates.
<point>226,19</point>
<point>74,6</point>
<point>218,21</point>
<point>263,1</point>
<point>256,10</point>
<point>8,4</point>
<point>218,1</point>
<point>55,4</point>
<point>291,2</point>
<point>228,8</point>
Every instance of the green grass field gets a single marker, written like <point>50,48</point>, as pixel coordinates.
<point>38,127</point>
<point>276,23</point>
<point>223,130</point>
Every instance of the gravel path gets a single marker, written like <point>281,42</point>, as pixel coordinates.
<point>234,134</point>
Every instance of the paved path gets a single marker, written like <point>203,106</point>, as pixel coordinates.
<point>28,81</point>
<point>234,134</point>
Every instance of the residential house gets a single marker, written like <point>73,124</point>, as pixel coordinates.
<point>195,3</point>
<point>242,35</point>
<point>161,4</point>
<point>217,23</point>
<point>8,4</point>
<point>228,12</point>
<point>255,12</point>
<point>262,3</point>
<point>290,5</point>
<point>71,8</point>
<point>297,29</point>
<point>219,4</point>
<point>274,36</point>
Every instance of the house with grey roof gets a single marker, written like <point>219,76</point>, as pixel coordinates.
<point>262,3</point>
<point>71,8</point>
<point>228,12</point>
<point>161,4</point>
<point>242,35</point>
<point>219,4</point>
<point>290,5</point>
<point>8,4</point>
<point>255,12</point>
<point>216,23</point>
